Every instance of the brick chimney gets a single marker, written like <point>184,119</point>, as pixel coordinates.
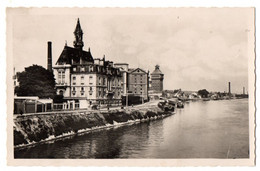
<point>229,88</point>
<point>49,62</point>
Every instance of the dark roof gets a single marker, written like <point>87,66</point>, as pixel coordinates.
<point>157,70</point>
<point>70,53</point>
<point>78,28</point>
<point>131,69</point>
<point>136,69</point>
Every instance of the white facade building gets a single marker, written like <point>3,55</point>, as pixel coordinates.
<point>85,81</point>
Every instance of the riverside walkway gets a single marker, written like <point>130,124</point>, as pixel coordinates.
<point>88,111</point>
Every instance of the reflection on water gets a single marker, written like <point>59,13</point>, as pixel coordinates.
<point>203,129</point>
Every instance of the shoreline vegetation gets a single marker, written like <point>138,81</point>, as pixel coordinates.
<point>38,128</point>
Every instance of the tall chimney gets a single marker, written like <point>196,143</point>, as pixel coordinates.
<point>229,88</point>
<point>243,90</point>
<point>49,64</point>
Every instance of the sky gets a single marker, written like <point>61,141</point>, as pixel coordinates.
<point>196,48</point>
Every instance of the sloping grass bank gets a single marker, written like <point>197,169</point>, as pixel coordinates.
<point>37,128</point>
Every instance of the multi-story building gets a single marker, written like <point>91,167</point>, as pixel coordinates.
<point>138,82</point>
<point>157,80</point>
<point>83,80</point>
<point>135,81</point>
<point>123,67</point>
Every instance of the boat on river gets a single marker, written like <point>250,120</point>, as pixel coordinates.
<point>168,104</point>
<point>206,99</point>
<point>180,104</point>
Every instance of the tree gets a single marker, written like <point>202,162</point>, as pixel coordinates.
<point>36,81</point>
<point>58,99</point>
<point>203,93</point>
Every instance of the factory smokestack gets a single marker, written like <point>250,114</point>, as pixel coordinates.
<point>229,88</point>
<point>49,62</point>
<point>243,90</point>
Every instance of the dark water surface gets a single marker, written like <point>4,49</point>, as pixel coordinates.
<point>203,129</point>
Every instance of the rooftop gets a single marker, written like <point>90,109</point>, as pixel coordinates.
<point>70,54</point>
<point>157,70</point>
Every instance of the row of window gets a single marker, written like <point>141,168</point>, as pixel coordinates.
<point>140,81</point>
<point>82,91</point>
<point>83,69</point>
<point>100,80</point>
<point>61,79</point>
<point>135,78</point>
<point>90,68</point>
<point>140,89</point>
<point>140,85</point>
<point>82,77</point>
<point>101,93</point>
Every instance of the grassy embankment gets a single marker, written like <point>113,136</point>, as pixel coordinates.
<point>37,128</point>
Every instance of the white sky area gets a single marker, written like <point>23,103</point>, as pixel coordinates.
<point>196,48</point>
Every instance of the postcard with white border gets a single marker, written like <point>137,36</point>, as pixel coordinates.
<point>130,86</point>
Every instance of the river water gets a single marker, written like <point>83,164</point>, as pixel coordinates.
<point>202,129</point>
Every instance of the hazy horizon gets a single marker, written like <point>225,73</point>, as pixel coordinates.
<point>196,48</point>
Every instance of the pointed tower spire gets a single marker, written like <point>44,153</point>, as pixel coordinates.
<point>78,43</point>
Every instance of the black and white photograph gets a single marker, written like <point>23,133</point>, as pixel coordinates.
<point>131,83</point>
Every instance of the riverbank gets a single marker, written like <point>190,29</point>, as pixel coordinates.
<point>202,129</point>
<point>35,128</point>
